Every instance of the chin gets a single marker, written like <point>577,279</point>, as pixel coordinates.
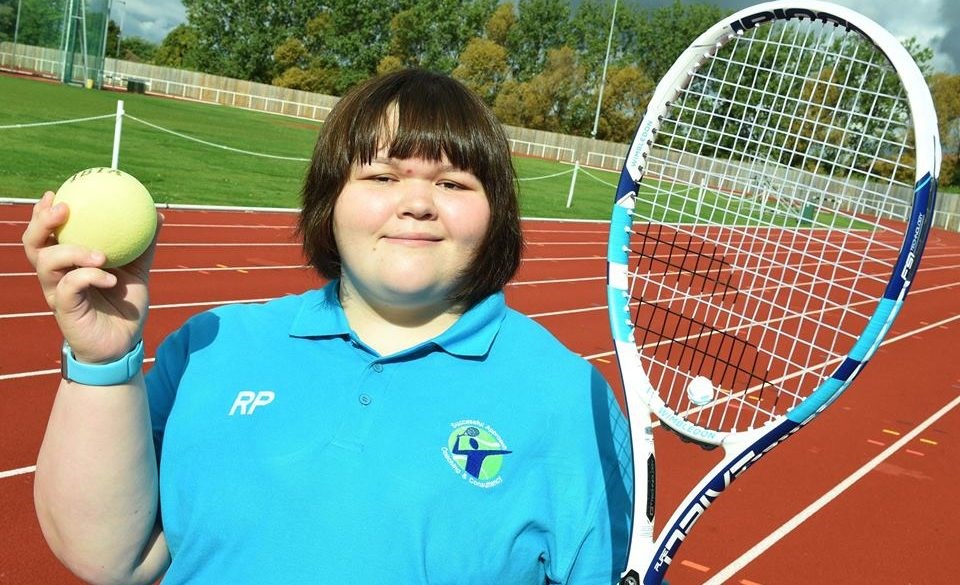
<point>414,294</point>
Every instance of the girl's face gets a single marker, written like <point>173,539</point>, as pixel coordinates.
<point>406,229</point>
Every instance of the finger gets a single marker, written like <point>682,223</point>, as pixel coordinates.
<point>53,263</point>
<point>45,219</point>
<point>73,289</point>
<point>79,316</point>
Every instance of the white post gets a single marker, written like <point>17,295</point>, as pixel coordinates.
<point>700,195</point>
<point>123,12</point>
<point>118,125</point>
<point>573,182</point>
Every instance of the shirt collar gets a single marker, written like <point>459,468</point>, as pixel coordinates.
<point>321,315</point>
<point>474,332</point>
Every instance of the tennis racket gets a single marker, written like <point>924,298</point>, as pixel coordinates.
<point>768,222</point>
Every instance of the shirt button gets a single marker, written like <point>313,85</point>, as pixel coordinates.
<point>378,368</point>
<point>365,399</point>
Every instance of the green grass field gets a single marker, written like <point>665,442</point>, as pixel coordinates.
<point>180,170</point>
<point>716,208</point>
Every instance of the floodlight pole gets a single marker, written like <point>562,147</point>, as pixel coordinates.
<point>603,75</point>
<point>66,46</point>
<point>596,118</point>
<point>16,27</point>
<point>16,32</point>
<point>123,12</point>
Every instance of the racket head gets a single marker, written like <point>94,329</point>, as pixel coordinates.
<point>815,110</point>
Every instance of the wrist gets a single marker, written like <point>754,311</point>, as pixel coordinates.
<point>118,371</point>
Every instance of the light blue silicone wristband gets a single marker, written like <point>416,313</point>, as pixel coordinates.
<point>109,374</point>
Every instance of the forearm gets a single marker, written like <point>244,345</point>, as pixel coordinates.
<point>96,488</point>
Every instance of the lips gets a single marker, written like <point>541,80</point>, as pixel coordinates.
<point>413,237</point>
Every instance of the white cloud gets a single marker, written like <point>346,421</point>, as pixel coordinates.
<point>929,21</point>
<point>151,20</point>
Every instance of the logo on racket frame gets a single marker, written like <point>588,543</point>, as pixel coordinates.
<point>753,20</point>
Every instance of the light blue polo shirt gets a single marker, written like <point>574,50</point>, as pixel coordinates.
<point>293,453</point>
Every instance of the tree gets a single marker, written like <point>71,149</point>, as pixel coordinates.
<point>39,22</point>
<point>483,68</point>
<point>179,48</point>
<point>945,90</point>
<point>922,54</point>
<point>8,19</point>
<point>589,30</point>
<point>625,97</point>
<point>292,53</point>
<point>302,62</point>
<point>667,31</point>
<point>432,33</point>
<point>301,70</point>
<point>500,22</point>
<point>541,25</point>
<point>358,38</point>
<point>552,100</point>
<point>113,39</point>
<point>137,49</point>
<point>238,39</point>
<point>389,64</point>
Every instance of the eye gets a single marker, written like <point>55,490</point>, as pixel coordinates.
<point>375,176</point>
<point>459,181</point>
<point>452,185</point>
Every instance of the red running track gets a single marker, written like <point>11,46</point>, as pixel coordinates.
<point>893,525</point>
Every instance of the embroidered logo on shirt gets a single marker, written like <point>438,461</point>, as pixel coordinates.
<point>475,452</point>
<point>248,401</point>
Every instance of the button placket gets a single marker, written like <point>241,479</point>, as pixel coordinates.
<point>365,398</point>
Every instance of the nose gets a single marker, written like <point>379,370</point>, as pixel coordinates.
<point>417,200</point>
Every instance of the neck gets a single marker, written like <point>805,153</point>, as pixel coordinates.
<point>392,327</point>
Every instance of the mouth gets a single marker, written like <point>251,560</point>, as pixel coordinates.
<point>412,238</point>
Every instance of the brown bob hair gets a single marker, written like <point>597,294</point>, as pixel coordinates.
<point>437,116</point>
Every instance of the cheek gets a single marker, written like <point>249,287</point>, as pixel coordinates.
<point>355,216</point>
<point>468,220</point>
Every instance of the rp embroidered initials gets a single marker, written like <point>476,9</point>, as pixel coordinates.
<point>248,401</point>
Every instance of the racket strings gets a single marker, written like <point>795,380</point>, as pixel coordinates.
<point>772,208</point>
<point>681,258</point>
<point>675,332</point>
<point>685,344</point>
<point>743,248</point>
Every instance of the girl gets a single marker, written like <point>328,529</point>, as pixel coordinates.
<point>400,424</point>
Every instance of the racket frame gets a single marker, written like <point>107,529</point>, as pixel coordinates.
<point>649,558</point>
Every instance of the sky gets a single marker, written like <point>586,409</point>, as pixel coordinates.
<point>148,19</point>
<point>935,23</point>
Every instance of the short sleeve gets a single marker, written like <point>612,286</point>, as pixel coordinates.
<point>171,360</point>
<point>601,556</point>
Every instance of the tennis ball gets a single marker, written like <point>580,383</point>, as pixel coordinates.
<point>700,390</point>
<point>110,211</point>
